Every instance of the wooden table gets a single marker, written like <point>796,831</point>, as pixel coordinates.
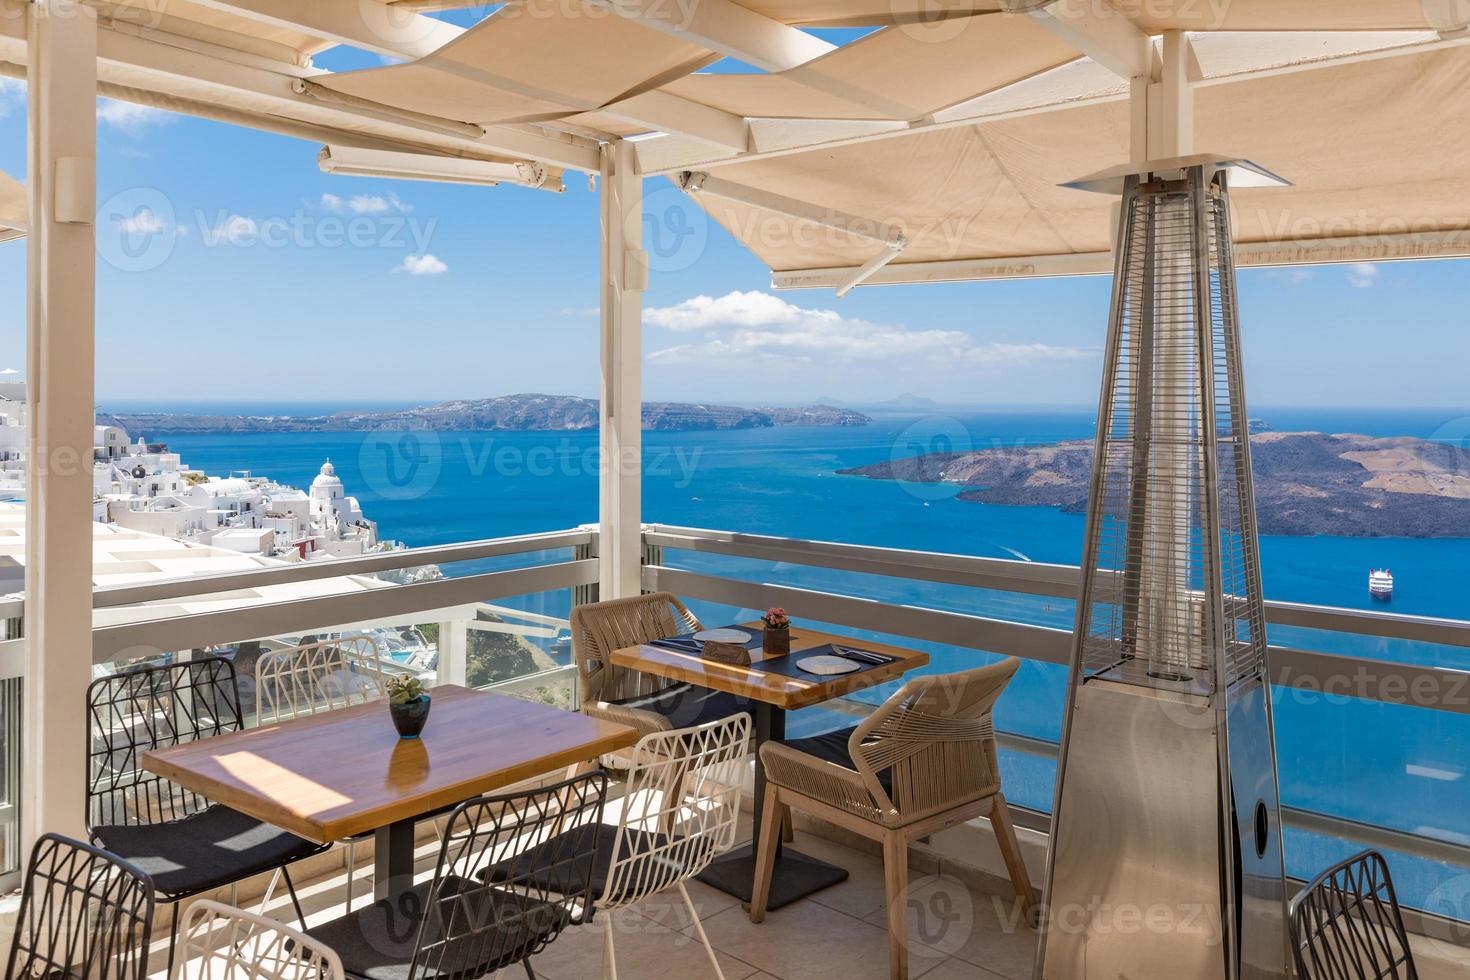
<point>330,776</point>
<point>796,875</point>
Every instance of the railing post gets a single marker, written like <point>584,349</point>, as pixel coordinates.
<point>454,648</point>
<point>624,277</point>
<point>60,299</point>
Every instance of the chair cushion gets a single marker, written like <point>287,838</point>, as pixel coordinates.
<point>686,705</point>
<point>205,850</point>
<point>832,747</point>
<point>551,864</point>
<point>492,928</point>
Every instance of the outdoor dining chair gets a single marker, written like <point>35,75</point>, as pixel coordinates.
<point>463,925</point>
<point>629,697</point>
<point>84,913</point>
<point>225,943</point>
<point>1346,924</point>
<point>678,813</point>
<point>923,761</point>
<point>185,843</point>
<point>314,678</point>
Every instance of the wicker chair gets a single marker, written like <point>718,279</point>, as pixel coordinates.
<point>644,702</point>
<point>924,761</point>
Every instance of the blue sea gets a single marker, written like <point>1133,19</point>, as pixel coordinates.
<point>1399,767</point>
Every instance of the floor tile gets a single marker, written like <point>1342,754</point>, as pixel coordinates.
<point>956,969</point>
<point>808,941</point>
<point>646,950</point>
<point>948,919</point>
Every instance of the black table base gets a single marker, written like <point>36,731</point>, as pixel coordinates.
<point>393,859</point>
<point>796,875</point>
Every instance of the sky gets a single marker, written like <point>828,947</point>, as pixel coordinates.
<point>231,269</point>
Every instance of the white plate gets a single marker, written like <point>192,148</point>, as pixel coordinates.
<point>827,665</point>
<point>722,636</point>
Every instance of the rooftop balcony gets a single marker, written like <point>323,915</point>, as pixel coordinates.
<point>1365,703</point>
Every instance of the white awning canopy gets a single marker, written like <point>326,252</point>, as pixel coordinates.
<point>956,128</point>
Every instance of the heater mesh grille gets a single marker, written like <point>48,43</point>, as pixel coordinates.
<point>1174,597</point>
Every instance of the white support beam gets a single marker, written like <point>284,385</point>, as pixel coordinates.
<point>890,236</point>
<point>624,277</point>
<point>726,27</point>
<point>184,68</point>
<point>391,30</point>
<point>60,316</point>
<point>368,24</point>
<point>1162,113</point>
<point>671,114</point>
<point>1100,32</point>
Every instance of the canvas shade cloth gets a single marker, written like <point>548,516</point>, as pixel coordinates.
<point>904,73</point>
<point>541,60</point>
<point>1373,147</point>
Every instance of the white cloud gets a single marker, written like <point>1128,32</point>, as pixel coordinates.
<point>131,118</point>
<point>758,326</point>
<point>422,265</point>
<point>142,222</point>
<point>365,204</point>
<point>1362,275</point>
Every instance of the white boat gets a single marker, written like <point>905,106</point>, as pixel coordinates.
<point>1380,584</point>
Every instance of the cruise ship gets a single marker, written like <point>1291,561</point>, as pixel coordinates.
<point>1380,584</point>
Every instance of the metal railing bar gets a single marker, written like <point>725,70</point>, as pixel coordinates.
<point>1384,681</point>
<point>333,568</point>
<point>1027,578</point>
<point>297,615</point>
<point>1379,838</point>
<point>1030,578</point>
<point>954,629</point>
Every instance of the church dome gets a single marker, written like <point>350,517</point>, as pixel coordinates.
<point>327,478</point>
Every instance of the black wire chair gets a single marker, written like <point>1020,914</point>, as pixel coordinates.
<point>83,913</point>
<point>459,924</point>
<point>186,844</point>
<point>1346,925</point>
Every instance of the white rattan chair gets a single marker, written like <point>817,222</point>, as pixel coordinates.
<point>225,943</point>
<point>678,813</point>
<point>314,678</point>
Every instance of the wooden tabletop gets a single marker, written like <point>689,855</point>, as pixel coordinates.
<point>776,689</point>
<point>339,773</point>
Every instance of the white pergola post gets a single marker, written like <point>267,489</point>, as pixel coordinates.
<point>1163,107</point>
<point>624,277</point>
<point>60,299</point>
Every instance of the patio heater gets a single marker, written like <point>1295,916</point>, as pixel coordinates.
<point>1166,845</point>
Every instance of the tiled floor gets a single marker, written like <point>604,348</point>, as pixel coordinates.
<point>839,933</point>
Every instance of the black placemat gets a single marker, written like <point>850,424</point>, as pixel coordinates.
<point>785,666</point>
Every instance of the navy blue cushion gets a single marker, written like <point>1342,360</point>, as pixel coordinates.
<point>832,747</point>
<point>205,850</point>
<point>491,928</point>
<point>685,705</point>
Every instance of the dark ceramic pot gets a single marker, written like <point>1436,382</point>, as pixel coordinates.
<point>409,718</point>
<point>776,643</point>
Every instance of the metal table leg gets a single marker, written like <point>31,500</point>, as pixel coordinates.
<point>393,859</point>
<point>796,875</point>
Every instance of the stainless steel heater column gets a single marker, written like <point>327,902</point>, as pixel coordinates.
<point>1166,848</point>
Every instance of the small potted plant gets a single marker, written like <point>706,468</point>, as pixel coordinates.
<point>408,703</point>
<point>776,638</point>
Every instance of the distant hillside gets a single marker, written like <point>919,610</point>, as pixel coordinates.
<point>563,413</point>
<point>1306,482</point>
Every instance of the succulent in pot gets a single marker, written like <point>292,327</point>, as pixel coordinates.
<point>776,638</point>
<point>408,703</point>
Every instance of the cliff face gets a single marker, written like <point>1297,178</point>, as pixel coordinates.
<point>531,412</point>
<point>1306,482</point>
